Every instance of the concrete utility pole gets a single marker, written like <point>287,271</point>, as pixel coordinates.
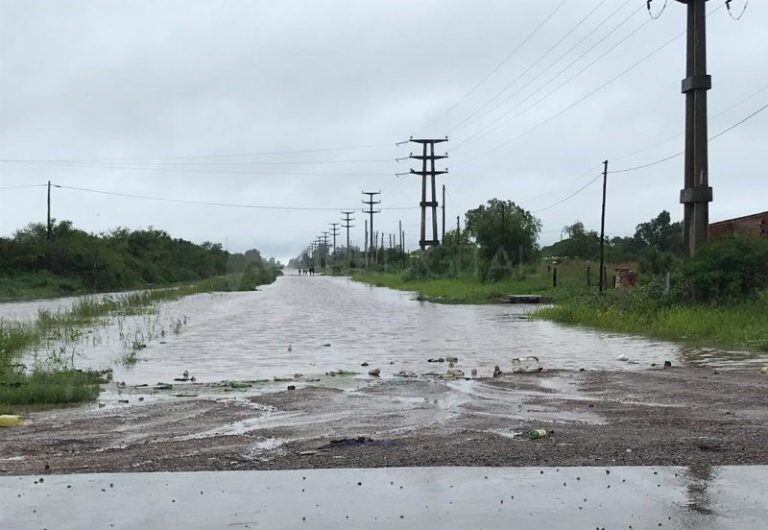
<point>347,224</point>
<point>602,230</point>
<point>370,211</point>
<point>428,169</point>
<point>366,243</point>
<point>697,194</point>
<point>334,232</point>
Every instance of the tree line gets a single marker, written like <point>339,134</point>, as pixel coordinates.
<point>70,259</point>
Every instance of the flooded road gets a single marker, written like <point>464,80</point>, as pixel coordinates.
<point>333,323</point>
<point>322,450</point>
<point>618,497</point>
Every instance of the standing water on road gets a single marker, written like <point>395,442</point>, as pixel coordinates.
<point>334,323</point>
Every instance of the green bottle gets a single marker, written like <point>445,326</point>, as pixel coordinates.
<point>536,434</point>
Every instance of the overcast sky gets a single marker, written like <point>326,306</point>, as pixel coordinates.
<point>211,100</point>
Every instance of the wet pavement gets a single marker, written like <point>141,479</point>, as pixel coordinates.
<point>568,498</point>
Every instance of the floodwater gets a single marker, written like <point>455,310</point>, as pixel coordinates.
<point>618,497</point>
<point>333,323</point>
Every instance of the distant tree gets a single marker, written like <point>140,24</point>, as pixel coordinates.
<point>661,234</point>
<point>504,232</point>
<point>580,244</point>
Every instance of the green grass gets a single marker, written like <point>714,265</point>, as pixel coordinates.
<point>470,290</point>
<point>739,325</point>
<point>37,285</point>
<point>57,382</point>
<point>48,388</point>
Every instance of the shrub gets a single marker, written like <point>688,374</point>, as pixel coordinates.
<point>728,269</point>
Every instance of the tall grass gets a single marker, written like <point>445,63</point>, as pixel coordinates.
<point>735,325</point>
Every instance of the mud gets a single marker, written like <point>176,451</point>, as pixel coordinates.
<point>679,416</point>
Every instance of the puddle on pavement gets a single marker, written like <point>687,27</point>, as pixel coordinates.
<point>235,336</point>
<point>563,498</point>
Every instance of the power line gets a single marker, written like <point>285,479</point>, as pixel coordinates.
<point>678,135</point>
<point>588,95</point>
<point>564,69</point>
<point>97,163</point>
<point>503,61</point>
<point>569,197</point>
<point>489,128</point>
<point>204,171</point>
<point>208,203</point>
<point>235,155</point>
<point>28,186</point>
<point>534,64</point>
<point>581,99</point>
<point>681,153</point>
<point>655,162</point>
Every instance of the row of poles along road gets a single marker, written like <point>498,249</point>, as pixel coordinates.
<point>695,195</point>
<point>372,199</point>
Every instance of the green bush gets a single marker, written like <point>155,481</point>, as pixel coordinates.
<point>727,269</point>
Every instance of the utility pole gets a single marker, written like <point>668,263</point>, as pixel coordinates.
<point>347,224</point>
<point>324,254</point>
<point>602,230</point>
<point>366,243</point>
<point>334,232</point>
<point>443,212</point>
<point>428,169</point>
<point>370,202</point>
<point>458,243</point>
<point>48,224</point>
<point>697,194</point>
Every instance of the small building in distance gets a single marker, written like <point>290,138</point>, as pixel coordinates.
<point>755,225</point>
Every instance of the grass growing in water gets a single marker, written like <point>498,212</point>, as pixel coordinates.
<point>736,325</point>
<point>58,382</point>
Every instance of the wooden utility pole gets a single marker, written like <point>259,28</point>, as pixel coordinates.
<point>428,169</point>
<point>458,243</point>
<point>371,202</point>
<point>324,254</point>
<point>602,229</point>
<point>697,194</point>
<point>347,224</point>
<point>443,212</point>
<point>366,243</point>
<point>49,228</point>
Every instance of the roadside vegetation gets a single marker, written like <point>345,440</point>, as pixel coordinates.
<point>32,265</point>
<point>719,298</point>
<point>68,261</point>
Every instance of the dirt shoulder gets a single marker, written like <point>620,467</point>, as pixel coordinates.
<point>678,416</point>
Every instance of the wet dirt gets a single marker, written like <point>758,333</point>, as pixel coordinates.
<point>677,416</point>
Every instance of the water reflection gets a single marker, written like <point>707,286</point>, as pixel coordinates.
<point>335,323</point>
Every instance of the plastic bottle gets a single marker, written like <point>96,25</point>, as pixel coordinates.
<point>537,434</point>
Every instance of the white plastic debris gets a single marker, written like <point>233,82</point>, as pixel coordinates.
<point>526,365</point>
